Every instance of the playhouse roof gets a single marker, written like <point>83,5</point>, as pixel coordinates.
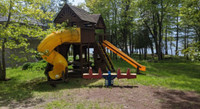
<point>14,18</point>
<point>82,14</point>
<point>95,17</point>
<point>74,14</point>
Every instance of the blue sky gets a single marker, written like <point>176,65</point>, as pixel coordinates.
<point>76,2</point>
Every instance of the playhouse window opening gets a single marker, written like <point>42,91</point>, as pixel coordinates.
<point>88,25</point>
<point>83,55</point>
<point>77,57</point>
<point>73,24</point>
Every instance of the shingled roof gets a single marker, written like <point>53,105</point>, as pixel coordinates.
<point>95,17</point>
<point>79,17</point>
<point>13,19</point>
<point>82,14</point>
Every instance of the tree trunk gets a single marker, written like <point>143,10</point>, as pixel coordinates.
<point>177,36</point>
<point>187,57</point>
<point>186,42</point>
<point>3,76</point>
<point>166,45</point>
<point>140,54</point>
<point>130,44</point>
<point>152,51</point>
<point>159,19</point>
<point>145,53</point>
<point>154,32</point>
<point>126,25</point>
<point>3,68</point>
<point>125,40</point>
<point>185,39</point>
<point>171,47</point>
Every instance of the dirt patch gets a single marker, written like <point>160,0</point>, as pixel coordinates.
<point>138,97</point>
<point>141,97</point>
<point>173,99</point>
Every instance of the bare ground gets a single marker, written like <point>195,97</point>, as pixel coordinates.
<point>127,97</point>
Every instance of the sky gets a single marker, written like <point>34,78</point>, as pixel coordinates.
<point>76,2</point>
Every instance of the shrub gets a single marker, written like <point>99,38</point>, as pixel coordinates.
<point>26,65</point>
<point>40,65</point>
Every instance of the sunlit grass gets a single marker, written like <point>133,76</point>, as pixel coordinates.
<point>171,74</point>
<point>67,104</point>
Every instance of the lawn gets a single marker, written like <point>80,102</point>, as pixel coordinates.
<point>26,84</point>
<point>181,75</point>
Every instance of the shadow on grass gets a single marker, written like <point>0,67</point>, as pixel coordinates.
<point>173,99</point>
<point>15,92</point>
<point>71,84</point>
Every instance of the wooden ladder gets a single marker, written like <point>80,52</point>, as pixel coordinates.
<point>106,58</point>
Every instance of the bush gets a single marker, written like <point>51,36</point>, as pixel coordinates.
<point>193,51</point>
<point>26,66</point>
<point>40,65</point>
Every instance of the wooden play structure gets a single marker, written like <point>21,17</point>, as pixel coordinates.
<point>86,39</point>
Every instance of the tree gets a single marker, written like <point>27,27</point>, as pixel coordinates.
<point>142,40</point>
<point>193,52</point>
<point>24,19</point>
<point>153,13</point>
<point>162,18</point>
<point>190,14</point>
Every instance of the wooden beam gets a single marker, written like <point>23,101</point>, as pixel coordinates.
<point>81,58</point>
<point>104,33</point>
<point>88,52</point>
<point>99,34</point>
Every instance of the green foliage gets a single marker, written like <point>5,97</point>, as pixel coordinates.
<point>142,39</point>
<point>124,19</point>
<point>41,65</point>
<point>26,66</point>
<point>190,14</point>
<point>193,51</point>
<point>118,17</point>
<point>27,20</point>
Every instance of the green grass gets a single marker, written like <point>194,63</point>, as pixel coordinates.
<point>26,84</point>
<point>63,104</point>
<point>20,85</point>
<point>182,75</point>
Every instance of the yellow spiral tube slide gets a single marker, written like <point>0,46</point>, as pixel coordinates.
<point>50,42</point>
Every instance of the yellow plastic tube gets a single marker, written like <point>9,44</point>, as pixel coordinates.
<point>46,50</point>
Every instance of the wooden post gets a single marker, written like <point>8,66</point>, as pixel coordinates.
<point>88,52</point>
<point>81,58</point>
<point>85,53</point>
<point>100,38</point>
<point>104,30</point>
<point>74,54</point>
<point>138,71</point>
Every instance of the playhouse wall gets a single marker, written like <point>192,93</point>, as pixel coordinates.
<point>87,35</point>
